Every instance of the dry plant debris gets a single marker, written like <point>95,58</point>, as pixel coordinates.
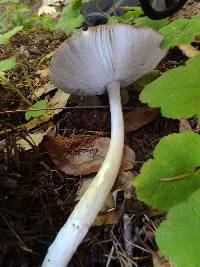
<point>84,154</point>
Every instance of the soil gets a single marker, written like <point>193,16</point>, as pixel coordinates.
<point>36,198</point>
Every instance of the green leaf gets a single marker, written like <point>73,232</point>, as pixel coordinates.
<point>176,92</point>
<point>175,159</point>
<point>131,8</point>
<point>47,23</point>
<point>115,19</point>
<point>40,105</point>
<point>8,64</point>
<point>134,13</point>
<point>71,17</point>
<point>155,24</point>
<point>178,237</point>
<point>180,31</point>
<point>4,3</point>
<point>10,1</point>
<point>5,38</point>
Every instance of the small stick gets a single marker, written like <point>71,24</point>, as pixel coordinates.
<point>175,178</point>
<point>128,235</point>
<point>67,108</point>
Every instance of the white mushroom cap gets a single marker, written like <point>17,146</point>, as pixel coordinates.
<point>87,62</point>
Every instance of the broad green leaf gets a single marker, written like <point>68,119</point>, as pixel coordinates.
<point>178,237</point>
<point>155,24</point>
<point>5,38</point>
<point>8,64</point>
<point>176,92</point>
<point>71,17</point>
<point>194,62</point>
<point>180,31</point>
<point>174,160</point>
<point>40,106</point>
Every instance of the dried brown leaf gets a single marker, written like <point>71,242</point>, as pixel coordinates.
<point>136,119</point>
<point>108,218</point>
<point>160,261</point>
<point>184,125</point>
<point>83,155</point>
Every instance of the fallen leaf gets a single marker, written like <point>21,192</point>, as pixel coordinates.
<point>48,87</point>
<point>109,203</point>
<point>58,101</point>
<point>160,261</point>
<point>44,74</point>
<point>83,155</point>
<point>35,139</point>
<point>189,50</point>
<point>53,2</point>
<point>124,183</point>
<point>136,119</point>
<point>82,189</point>
<point>184,125</point>
<point>108,218</point>
<point>48,10</point>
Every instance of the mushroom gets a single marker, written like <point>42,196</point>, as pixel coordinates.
<point>105,57</point>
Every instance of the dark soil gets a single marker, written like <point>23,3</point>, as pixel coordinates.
<point>36,198</point>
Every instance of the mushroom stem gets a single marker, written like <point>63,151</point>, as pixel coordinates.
<point>85,212</point>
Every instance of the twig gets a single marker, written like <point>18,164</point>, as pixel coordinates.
<point>67,108</point>
<point>128,235</point>
<point>110,256</point>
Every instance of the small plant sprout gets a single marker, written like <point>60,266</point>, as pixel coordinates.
<point>104,57</point>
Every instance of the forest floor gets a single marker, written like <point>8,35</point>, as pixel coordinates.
<point>36,196</point>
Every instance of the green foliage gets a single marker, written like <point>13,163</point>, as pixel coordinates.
<point>133,12</point>
<point>175,159</point>
<point>179,236</point>
<point>115,19</point>
<point>9,2</point>
<point>180,31</point>
<point>176,92</point>
<point>47,23</point>
<point>155,24</point>
<point>71,17</point>
<point>5,38</point>
<point>18,14</point>
<point>40,106</point>
<point>7,64</point>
